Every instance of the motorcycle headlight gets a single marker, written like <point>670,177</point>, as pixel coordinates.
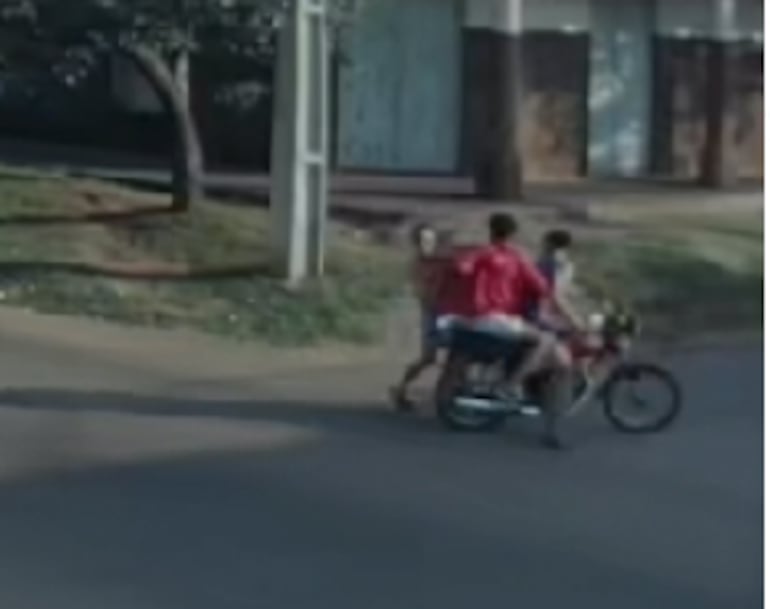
<point>596,322</point>
<point>624,343</point>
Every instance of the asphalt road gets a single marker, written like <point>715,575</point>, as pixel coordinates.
<point>113,496</point>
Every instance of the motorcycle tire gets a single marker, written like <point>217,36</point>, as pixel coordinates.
<point>631,373</point>
<point>458,419</point>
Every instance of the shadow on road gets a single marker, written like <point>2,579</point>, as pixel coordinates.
<point>333,416</point>
<point>372,419</point>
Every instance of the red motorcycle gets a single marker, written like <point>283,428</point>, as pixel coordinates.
<point>637,397</point>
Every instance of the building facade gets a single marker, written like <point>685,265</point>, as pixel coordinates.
<point>606,88</point>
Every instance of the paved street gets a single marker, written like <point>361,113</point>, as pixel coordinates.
<point>127,488</point>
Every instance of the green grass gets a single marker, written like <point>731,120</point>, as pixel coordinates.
<point>64,266</point>
<point>686,274</point>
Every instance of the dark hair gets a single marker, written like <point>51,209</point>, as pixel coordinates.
<point>557,239</point>
<point>502,227</point>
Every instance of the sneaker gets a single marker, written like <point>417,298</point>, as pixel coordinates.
<point>553,442</point>
<point>401,400</point>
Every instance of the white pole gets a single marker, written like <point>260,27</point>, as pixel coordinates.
<point>299,181</point>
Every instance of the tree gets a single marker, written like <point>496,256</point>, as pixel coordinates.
<point>157,36</point>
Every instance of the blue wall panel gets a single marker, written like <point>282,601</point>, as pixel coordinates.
<point>399,99</point>
<point>620,86</point>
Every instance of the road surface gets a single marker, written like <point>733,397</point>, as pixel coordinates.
<point>121,488</point>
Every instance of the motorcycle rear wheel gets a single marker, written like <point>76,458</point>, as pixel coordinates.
<point>456,380</point>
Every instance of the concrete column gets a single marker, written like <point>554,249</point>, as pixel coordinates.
<point>718,161</point>
<point>299,180</point>
<point>492,74</point>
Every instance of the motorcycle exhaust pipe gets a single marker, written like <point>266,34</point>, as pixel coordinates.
<point>491,405</point>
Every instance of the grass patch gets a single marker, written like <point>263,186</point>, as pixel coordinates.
<point>64,244</point>
<point>685,274</point>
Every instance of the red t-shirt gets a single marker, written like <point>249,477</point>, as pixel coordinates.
<point>454,295</point>
<point>427,276</point>
<point>493,279</point>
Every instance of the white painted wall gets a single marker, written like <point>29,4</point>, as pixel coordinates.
<point>673,17</point>
<point>685,18</point>
<point>500,15</point>
<point>750,19</point>
<point>557,15</point>
<point>700,18</point>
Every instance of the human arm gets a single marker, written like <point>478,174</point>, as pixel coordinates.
<point>465,260</point>
<point>554,297</point>
<point>564,308</point>
<point>562,300</point>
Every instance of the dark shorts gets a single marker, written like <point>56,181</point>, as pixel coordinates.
<point>429,335</point>
<point>490,347</point>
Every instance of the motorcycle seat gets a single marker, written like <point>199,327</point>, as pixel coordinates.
<point>487,347</point>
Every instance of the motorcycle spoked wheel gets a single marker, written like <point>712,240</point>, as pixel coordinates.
<point>463,379</point>
<point>625,384</point>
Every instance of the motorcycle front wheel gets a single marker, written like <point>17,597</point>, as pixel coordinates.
<point>642,398</point>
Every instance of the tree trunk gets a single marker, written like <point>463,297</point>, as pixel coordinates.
<point>182,75</point>
<point>173,89</point>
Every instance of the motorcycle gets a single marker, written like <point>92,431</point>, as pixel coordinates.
<point>470,394</point>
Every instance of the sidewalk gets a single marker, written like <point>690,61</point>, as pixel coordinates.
<point>366,199</point>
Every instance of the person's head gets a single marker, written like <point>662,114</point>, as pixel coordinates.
<point>557,243</point>
<point>425,239</point>
<point>502,228</point>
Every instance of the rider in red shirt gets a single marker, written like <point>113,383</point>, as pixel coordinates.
<point>493,287</point>
<point>503,280</point>
<point>497,280</point>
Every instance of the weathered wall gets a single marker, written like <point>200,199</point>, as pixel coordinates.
<point>556,48</point>
<point>554,51</point>
<point>684,31</point>
<point>557,15</point>
<point>554,108</point>
<point>399,96</point>
<point>698,19</point>
<point>620,85</point>
<point>680,109</point>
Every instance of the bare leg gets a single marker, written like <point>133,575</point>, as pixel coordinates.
<point>558,397</point>
<point>451,374</point>
<point>536,357</point>
<point>412,373</point>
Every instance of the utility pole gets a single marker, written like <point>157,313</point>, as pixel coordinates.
<point>300,166</point>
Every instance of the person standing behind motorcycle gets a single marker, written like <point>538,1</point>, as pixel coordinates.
<point>426,271</point>
<point>499,283</point>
